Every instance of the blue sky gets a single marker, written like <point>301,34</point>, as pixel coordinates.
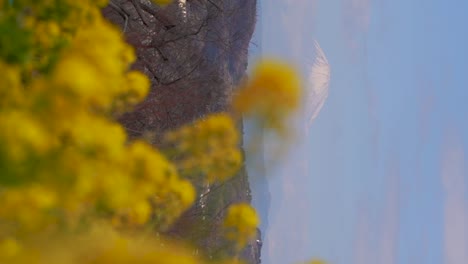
<point>380,177</point>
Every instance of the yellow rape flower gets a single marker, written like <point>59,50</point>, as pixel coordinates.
<point>162,2</point>
<point>271,95</point>
<point>41,197</point>
<point>11,90</point>
<point>185,192</point>
<point>101,3</point>
<point>46,33</point>
<point>9,248</point>
<point>209,146</point>
<point>27,206</point>
<point>93,135</point>
<point>140,213</point>
<point>149,164</point>
<point>116,191</point>
<point>20,134</point>
<point>99,245</point>
<point>241,222</point>
<point>79,76</point>
<point>95,74</point>
<point>155,178</point>
<point>138,86</point>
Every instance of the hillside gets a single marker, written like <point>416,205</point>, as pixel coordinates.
<point>195,55</point>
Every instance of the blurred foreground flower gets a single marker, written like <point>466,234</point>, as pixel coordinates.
<point>162,2</point>
<point>101,245</point>
<point>65,164</point>
<point>271,95</point>
<point>241,222</point>
<point>209,146</point>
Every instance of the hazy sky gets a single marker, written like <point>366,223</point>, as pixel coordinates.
<point>384,178</point>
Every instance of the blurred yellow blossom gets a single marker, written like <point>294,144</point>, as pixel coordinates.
<point>162,2</point>
<point>46,33</point>
<point>12,92</point>
<point>99,245</point>
<point>28,207</point>
<point>9,248</point>
<point>62,159</point>
<point>241,222</point>
<point>20,134</point>
<point>138,85</point>
<point>209,146</point>
<point>271,95</point>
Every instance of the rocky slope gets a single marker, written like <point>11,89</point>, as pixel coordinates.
<point>195,53</point>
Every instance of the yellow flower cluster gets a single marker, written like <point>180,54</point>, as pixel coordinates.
<point>210,146</point>
<point>27,208</point>
<point>157,178</point>
<point>99,245</point>
<point>64,164</point>
<point>271,96</point>
<point>42,28</point>
<point>95,69</point>
<point>162,2</point>
<point>241,222</point>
